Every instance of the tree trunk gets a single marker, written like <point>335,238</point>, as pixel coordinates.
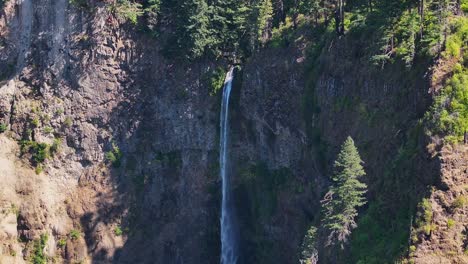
<point>421,17</point>
<point>295,14</point>
<point>339,17</point>
<point>342,17</point>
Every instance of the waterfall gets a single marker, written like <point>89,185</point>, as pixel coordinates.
<point>228,231</point>
<point>25,27</point>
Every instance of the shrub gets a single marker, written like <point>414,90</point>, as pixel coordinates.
<point>128,10</point>
<point>68,121</point>
<point>35,122</point>
<point>3,127</point>
<point>39,151</point>
<point>215,80</point>
<point>464,6</point>
<point>309,251</point>
<point>38,256</point>
<point>114,156</point>
<point>118,231</point>
<point>39,169</point>
<point>74,234</point>
<point>55,145</point>
<point>459,202</point>
<point>450,223</point>
<point>62,242</point>
<point>424,217</point>
<point>48,130</point>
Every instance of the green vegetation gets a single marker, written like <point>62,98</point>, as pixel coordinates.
<point>68,121</point>
<point>460,202</point>
<point>214,28</point>
<point>39,169</point>
<point>450,223</point>
<point>380,237</point>
<point>118,231</point>
<point>345,195</point>
<point>35,122</point>
<point>128,9</point>
<point>309,254</point>
<point>38,256</point>
<point>62,242</point>
<point>39,151</point>
<point>114,156</point>
<point>3,127</point>
<point>449,114</point>
<point>74,234</point>
<point>215,80</point>
<point>259,191</point>
<point>424,218</point>
<point>55,145</point>
<point>48,130</point>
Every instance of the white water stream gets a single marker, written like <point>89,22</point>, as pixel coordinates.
<point>228,231</point>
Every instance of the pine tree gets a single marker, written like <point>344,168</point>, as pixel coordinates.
<point>345,195</point>
<point>259,23</point>
<point>192,34</point>
<point>309,254</point>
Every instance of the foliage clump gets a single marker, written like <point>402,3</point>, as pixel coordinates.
<point>309,254</point>
<point>114,156</point>
<point>3,127</point>
<point>118,231</point>
<point>38,256</point>
<point>449,114</point>
<point>128,9</point>
<point>74,234</point>
<point>215,80</point>
<point>460,202</point>
<point>424,218</point>
<point>39,151</point>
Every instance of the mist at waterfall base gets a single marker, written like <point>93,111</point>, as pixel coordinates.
<point>229,248</point>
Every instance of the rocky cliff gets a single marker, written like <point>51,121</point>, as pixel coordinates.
<point>111,148</point>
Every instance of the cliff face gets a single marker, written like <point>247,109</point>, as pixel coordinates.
<point>86,85</point>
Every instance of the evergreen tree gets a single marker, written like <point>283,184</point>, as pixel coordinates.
<point>260,23</point>
<point>192,33</point>
<point>345,195</point>
<point>309,254</point>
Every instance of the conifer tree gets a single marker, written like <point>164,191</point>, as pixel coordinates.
<point>345,195</point>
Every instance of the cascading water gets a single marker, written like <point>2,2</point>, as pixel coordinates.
<point>25,27</point>
<point>228,231</point>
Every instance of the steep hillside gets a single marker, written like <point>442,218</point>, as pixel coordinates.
<point>109,129</point>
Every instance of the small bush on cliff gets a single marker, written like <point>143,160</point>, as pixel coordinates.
<point>38,256</point>
<point>62,242</point>
<point>309,247</point>
<point>118,231</point>
<point>345,195</point>
<point>3,127</point>
<point>460,202</point>
<point>128,10</point>
<point>114,156</point>
<point>39,151</point>
<point>424,217</point>
<point>215,80</point>
<point>74,234</point>
<point>449,114</point>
